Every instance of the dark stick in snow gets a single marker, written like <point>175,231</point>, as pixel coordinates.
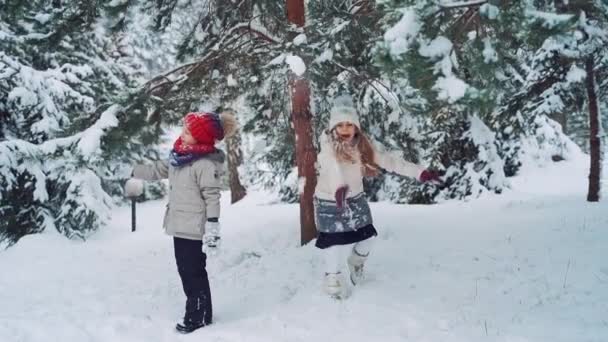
<point>133,214</point>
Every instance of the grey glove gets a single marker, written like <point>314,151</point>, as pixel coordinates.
<point>211,238</point>
<point>134,187</point>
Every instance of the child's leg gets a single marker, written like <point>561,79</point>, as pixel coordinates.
<point>333,257</point>
<point>334,261</point>
<point>357,258</point>
<point>363,248</point>
<point>191,262</point>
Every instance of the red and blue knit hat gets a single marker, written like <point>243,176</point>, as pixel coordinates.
<point>205,128</point>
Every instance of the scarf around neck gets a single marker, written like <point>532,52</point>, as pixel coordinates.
<point>183,154</point>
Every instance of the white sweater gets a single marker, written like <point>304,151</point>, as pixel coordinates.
<point>333,174</point>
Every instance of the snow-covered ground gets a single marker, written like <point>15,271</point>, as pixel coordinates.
<point>529,265</point>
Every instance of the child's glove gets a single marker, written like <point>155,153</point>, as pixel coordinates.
<point>430,176</point>
<point>340,196</point>
<point>134,187</point>
<point>211,239</point>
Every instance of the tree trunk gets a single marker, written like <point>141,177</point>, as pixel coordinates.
<point>562,119</point>
<point>235,159</point>
<point>306,155</point>
<point>296,12</point>
<point>594,139</point>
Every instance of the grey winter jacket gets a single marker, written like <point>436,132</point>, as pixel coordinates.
<point>194,193</point>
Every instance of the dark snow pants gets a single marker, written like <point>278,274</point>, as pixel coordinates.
<point>191,262</point>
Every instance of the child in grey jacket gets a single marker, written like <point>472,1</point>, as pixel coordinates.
<point>194,169</point>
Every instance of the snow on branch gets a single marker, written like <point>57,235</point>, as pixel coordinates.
<point>361,7</point>
<point>161,83</point>
<point>19,156</point>
<point>90,138</point>
<point>449,4</point>
<point>16,157</point>
<point>248,27</point>
<point>550,19</point>
<point>373,82</point>
<point>87,140</point>
<point>262,32</point>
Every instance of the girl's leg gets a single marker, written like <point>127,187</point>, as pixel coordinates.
<point>357,258</point>
<point>363,248</point>
<point>334,261</point>
<point>334,258</point>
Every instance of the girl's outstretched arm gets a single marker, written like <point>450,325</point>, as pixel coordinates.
<point>393,163</point>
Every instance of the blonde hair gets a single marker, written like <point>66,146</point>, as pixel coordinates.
<point>360,149</point>
<point>229,123</point>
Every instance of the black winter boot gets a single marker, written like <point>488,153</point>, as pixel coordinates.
<point>198,314</point>
<point>184,328</point>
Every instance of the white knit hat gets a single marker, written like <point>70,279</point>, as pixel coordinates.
<point>343,110</point>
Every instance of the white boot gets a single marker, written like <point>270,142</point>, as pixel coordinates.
<point>333,284</point>
<point>356,262</point>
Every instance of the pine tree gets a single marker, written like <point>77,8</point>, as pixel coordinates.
<point>58,83</point>
<point>138,42</point>
<point>571,38</point>
<point>468,63</point>
<point>449,55</point>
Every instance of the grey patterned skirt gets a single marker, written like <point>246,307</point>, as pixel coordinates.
<point>355,215</point>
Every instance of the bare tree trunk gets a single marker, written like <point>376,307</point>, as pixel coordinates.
<point>296,12</point>
<point>302,120</point>
<point>562,119</point>
<point>235,159</point>
<point>593,194</point>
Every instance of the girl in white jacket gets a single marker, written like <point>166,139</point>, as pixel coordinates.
<point>342,214</point>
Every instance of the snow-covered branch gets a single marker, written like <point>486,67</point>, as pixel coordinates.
<point>87,140</point>
<point>360,7</point>
<point>450,4</point>
<point>259,30</point>
<point>252,27</point>
<point>22,155</point>
<point>219,51</point>
<point>373,82</point>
